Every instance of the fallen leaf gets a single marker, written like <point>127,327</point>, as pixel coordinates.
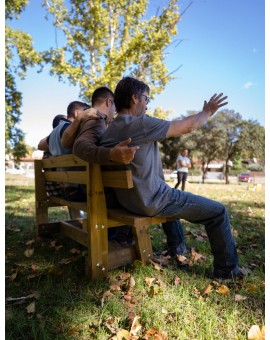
<point>66,261</point>
<point>131,283</point>
<point>177,280</point>
<point>31,308</point>
<point>52,244</point>
<point>151,331</point>
<point>124,276</point>
<point>34,267</point>
<point>135,327</point>
<point>114,287</point>
<point>182,260</point>
<point>127,297</point>
<point>74,251</point>
<point>250,287</point>
<point>28,243</point>
<point>224,290</point>
<point>156,266</point>
<point>149,280</point>
<point>29,252</point>
<point>206,290</point>
<point>13,276</point>
<point>123,334</point>
<point>161,336</point>
<point>256,333</point>
<point>239,297</point>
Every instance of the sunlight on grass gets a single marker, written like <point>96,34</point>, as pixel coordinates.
<point>69,306</point>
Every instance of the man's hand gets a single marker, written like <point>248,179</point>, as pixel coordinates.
<point>214,104</point>
<point>90,114</point>
<point>121,153</point>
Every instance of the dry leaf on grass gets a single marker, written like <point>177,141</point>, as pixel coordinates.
<point>250,287</point>
<point>31,308</point>
<point>239,297</point>
<point>122,334</point>
<point>206,290</point>
<point>149,280</point>
<point>135,327</point>
<point>224,290</point>
<point>156,266</point>
<point>74,251</point>
<point>182,260</point>
<point>29,252</point>
<point>66,261</point>
<point>28,243</point>
<point>131,283</point>
<point>256,333</point>
<point>124,276</point>
<point>177,280</point>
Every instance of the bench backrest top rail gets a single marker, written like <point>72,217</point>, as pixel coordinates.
<point>65,172</point>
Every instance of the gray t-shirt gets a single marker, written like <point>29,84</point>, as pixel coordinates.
<point>150,193</point>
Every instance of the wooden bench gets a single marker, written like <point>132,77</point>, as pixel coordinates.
<point>92,231</point>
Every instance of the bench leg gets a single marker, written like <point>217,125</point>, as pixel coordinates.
<point>143,243</point>
<point>96,262</point>
<point>41,217</point>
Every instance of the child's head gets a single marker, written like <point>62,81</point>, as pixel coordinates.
<point>57,119</point>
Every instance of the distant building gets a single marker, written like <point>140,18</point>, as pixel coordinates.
<point>26,166</point>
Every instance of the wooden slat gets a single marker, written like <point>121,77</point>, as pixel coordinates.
<point>76,205</point>
<point>128,217</point>
<point>66,176</point>
<point>74,233</point>
<point>121,256</point>
<point>117,179</point>
<point>63,161</point>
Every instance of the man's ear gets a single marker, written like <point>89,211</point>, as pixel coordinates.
<point>134,99</point>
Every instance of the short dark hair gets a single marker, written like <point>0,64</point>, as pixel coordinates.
<point>57,119</point>
<point>76,105</point>
<point>125,89</point>
<point>101,94</point>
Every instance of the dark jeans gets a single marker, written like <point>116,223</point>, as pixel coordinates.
<point>181,177</point>
<point>175,237</point>
<point>173,230</point>
<point>213,215</point>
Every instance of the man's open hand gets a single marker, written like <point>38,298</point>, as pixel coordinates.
<point>121,153</point>
<point>216,102</point>
<point>90,114</point>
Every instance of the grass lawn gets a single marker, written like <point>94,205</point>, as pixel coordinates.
<point>48,296</point>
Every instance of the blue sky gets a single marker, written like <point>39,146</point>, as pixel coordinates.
<point>222,51</point>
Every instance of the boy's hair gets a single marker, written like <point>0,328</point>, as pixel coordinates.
<point>57,119</point>
<point>76,105</point>
<point>125,89</point>
<point>101,94</point>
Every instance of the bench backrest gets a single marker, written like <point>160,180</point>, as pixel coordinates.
<point>71,169</point>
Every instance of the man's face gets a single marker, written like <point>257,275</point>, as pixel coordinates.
<point>142,102</point>
<point>185,153</point>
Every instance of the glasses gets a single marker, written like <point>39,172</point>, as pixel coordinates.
<point>146,98</point>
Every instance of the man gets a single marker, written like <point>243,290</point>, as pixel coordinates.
<point>183,164</point>
<point>151,195</point>
<point>86,147</point>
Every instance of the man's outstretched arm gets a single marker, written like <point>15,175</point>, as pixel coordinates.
<point>188,124</point>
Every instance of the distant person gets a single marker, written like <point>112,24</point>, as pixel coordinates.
<point>151,195</point>
<point>183,164</point>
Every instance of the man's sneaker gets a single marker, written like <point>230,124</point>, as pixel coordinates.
<point>238,275</point>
